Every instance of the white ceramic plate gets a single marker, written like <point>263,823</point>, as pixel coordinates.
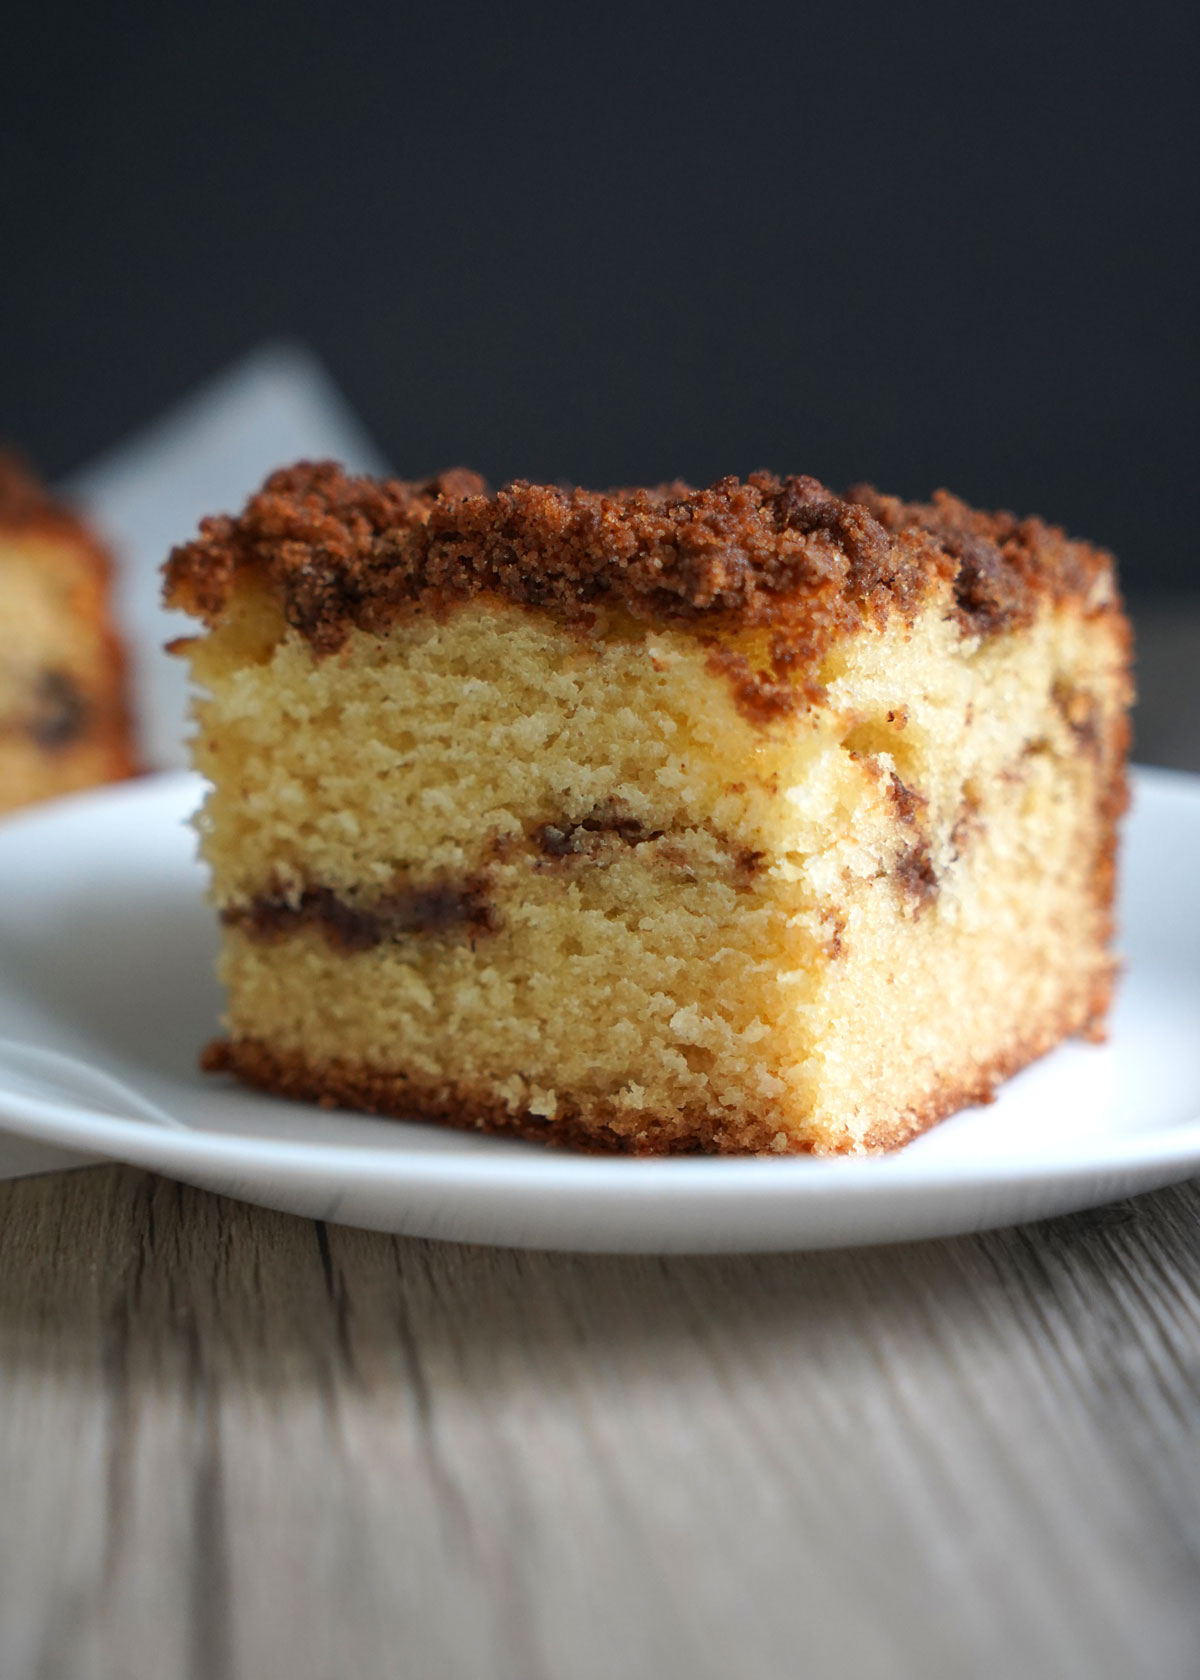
<point>106,993</point>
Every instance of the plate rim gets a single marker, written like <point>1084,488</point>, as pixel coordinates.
<point>81,1129</point>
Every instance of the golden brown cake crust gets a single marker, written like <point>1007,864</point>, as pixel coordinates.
<point>604,1128</point>
<point>28,506</point>
<point>343,553</point>
<point>24,500</point>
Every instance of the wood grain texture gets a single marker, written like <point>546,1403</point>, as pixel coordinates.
<point>236,1444</point>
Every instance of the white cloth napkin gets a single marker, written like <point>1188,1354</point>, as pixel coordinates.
<point>204,456</point>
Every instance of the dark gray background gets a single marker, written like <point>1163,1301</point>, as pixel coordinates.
<point>924,246</point>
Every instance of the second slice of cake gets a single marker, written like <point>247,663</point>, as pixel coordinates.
<point>64,716</point>
<point>742,819</point>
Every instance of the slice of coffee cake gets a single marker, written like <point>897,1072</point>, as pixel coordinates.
<point>64,724</point>
<point>748,818</point>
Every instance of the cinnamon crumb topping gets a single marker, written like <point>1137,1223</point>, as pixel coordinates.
<point>343,553</point>
<point>1005,564</point>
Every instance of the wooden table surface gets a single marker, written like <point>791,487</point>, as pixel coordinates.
<point>236,1445</point>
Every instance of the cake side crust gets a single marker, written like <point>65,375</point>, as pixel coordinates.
<point>29,509</point>
<point>600,1127</point>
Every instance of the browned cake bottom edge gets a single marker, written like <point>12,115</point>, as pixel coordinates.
<point>599,1126</point>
